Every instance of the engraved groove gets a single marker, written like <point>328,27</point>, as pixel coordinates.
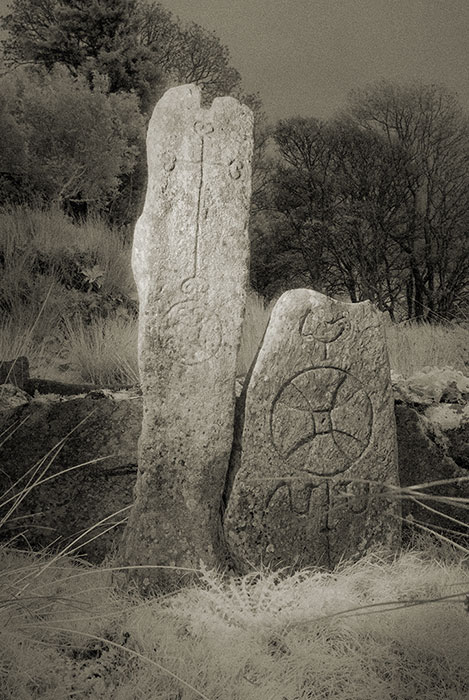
<point>323,423</point>
<point>199,201</point>
<point>343,453</point>
<point>235,168</point>
<point>322,328</point>
<point>183,335</point>
<point>304,396</point>
<point>354,437</point>
<point>306,489</point>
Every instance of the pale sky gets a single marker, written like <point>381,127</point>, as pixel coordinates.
<point>303,56</point>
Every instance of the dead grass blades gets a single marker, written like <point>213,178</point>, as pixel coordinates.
<point>370,630</point>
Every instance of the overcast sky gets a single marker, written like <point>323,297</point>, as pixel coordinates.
<point>303,56</point>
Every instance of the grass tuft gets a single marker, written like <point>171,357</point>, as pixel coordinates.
<point>104,352</point>
<point>372,630</point>
<point>256,318</point>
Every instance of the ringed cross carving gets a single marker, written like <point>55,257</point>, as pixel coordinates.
<point>328,412</point>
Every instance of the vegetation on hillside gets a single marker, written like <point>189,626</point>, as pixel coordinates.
<point>68,299</point>
<point>373,203</point>
<point>372,631</point>
<point>59,282</point>
<point>80,81</point>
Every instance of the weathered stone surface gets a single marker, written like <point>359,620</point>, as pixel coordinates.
<point>52,386</point>
<point>431,385</point>
<point>452,421</point>
<point>318,430</point>
<point>190,264</point>
<point>426,455</point>
<point>12,396</point>
<point>101,426</point>
<point>15,372</point>
<point>458,440</point>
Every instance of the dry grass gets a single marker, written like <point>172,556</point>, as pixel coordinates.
<point>57,275</point>
<point>373,630</point>
<point>412,346</point>
<point>256,318</point>
<point>16,338</point>
<point>104,352</point>
<point>34,240</point>
<point>43,251</point>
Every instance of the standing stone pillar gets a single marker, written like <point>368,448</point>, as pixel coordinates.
<point>190,262</point>
<point>318,441</point>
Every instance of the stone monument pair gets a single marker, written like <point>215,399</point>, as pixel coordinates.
<point>299,480</point>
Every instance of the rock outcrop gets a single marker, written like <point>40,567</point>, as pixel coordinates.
<point>84,451</point>
<point>436,459</point>
<point>433,444</point>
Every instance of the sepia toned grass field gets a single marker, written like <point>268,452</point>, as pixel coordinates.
<point>372,630</point>
<point>376,629</point>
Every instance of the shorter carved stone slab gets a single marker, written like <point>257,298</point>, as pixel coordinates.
<point>317,440</point>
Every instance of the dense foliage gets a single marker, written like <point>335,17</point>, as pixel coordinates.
<point>374,203</point>
<point>137,43</point>
<point>80,82</point>
<point>71,141</point>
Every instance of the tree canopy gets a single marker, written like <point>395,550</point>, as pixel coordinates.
<point>432,132</point>
<point>139,49</point>
<point>373,203</point>
<point>71,142</point>
<point>139,45</point>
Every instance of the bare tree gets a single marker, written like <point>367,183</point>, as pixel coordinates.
<point>374,203</point>
<point>332,208</point>
<point>429,125</point>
